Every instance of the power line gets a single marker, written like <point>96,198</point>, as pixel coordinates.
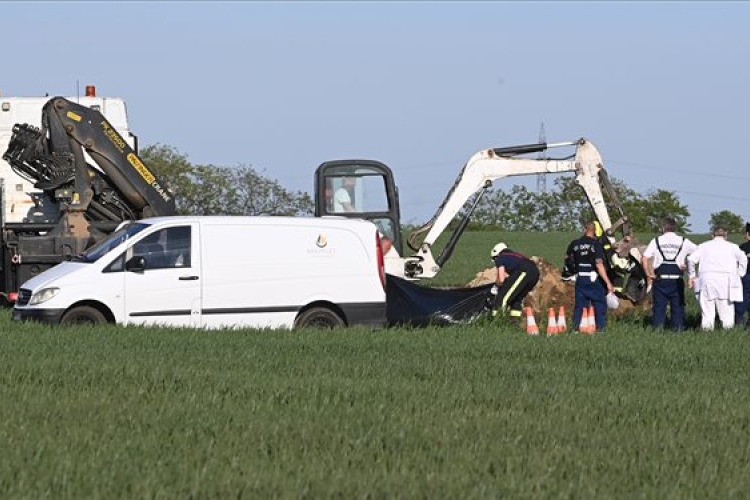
<point>704,195</point>
<point>679,170</point>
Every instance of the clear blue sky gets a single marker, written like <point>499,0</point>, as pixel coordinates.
<point>661,89</point>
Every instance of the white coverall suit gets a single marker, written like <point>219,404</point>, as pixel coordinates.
<point>720,265</point>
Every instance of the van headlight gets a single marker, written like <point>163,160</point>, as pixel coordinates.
<point>43,295</point>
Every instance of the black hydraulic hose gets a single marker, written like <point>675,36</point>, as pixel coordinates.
<point>520,150</point>
<point>453,241</point>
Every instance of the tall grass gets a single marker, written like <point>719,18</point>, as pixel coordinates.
<point>478,411</point>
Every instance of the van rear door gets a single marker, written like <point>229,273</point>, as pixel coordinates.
<point>163,277</point>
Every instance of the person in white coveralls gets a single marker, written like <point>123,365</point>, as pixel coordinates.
<point>721,265</point>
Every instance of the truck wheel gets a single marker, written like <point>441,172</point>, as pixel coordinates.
<point>83,315</point>
<point>319,317</point>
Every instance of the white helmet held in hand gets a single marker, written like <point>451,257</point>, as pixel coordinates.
<point>497,249</point>
<point>613,302</point>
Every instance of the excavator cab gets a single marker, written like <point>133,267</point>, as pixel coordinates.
<point>361,189</point>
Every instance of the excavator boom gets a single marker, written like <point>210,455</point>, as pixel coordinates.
<point>490,165</point>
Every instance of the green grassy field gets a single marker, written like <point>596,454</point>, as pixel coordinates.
<point>473,252</point>
<point>478,411</point>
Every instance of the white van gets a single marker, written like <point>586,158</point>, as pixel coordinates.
<point>218,272</point>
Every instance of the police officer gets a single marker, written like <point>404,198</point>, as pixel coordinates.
<point>517,275</point>
<point>668,252</point>
<point>585,256</point>
<point>740,308</point>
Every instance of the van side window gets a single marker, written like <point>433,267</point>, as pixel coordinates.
<point>165,249</point>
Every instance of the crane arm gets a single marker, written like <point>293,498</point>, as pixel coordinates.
<point>123,183</point>
<point>489,165</point>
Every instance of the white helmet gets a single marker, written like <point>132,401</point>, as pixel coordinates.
<point>613,302</point>
<point>497,249</point>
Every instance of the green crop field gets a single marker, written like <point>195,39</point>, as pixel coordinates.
<point>479,411</point>
<point>473,252</point>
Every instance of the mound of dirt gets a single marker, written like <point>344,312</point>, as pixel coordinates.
<point>552,291</point>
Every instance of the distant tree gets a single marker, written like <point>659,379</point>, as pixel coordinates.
<point>516,210</point>
<point>174,169</point>
<point>220,190</point>
<point>728,220</point>
<point>259,195</point>
<point>659,204</point>
<point>566,208</point>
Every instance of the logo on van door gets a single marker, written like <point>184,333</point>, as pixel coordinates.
<point>321,248</point>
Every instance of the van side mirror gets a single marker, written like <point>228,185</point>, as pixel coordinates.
<point>136,264</point>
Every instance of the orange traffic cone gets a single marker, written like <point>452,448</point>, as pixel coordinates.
<point>562,327</point>
<point>583,326</point>
<point>531,327</point>
<point>592,320</point>
<point>552,322</point>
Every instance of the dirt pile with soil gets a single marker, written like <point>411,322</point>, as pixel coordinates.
<point>552,291</point>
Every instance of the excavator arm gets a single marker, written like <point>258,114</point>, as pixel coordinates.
<point>489,165</point>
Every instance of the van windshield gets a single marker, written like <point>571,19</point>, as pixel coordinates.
<point>116,239</point>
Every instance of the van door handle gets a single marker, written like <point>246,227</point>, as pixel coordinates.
<point>188,278</point>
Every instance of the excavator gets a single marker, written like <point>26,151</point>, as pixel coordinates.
<point>91,202</point>
<point>374,196</point>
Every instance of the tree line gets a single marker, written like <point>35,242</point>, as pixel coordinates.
<point>565,208</point>
<point>207,189</point>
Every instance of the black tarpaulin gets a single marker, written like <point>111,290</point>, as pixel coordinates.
<point>409,303</point>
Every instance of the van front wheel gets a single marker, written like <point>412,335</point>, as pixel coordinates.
<point>319,317</point>
<point>83,315</point>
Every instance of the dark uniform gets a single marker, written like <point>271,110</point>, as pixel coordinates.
<point>590,288</point>
<point>740,308</point>
<point>523,276</point>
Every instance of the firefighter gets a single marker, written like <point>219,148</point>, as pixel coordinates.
<point>668,252</point>
<point>613,264</point>
<point>517,275</point>
<point>585,256</point>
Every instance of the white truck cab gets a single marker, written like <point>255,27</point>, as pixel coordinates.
<point>214,272</point>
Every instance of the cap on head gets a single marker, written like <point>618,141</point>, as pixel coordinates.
<point>747,228</point>
<point>497,249</point>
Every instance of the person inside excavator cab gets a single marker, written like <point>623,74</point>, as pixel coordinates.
<point>342,197</point>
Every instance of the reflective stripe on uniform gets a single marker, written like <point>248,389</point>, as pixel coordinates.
<point>513,313</point>
<point>513,288</point>
<point>668,276</point>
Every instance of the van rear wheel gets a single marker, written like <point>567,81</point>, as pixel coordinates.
<point>83,315</point>
<point>319,317</point>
